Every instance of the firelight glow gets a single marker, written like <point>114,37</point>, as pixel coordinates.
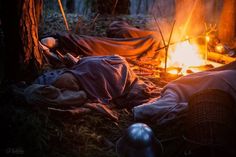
<point>173,71</point>
<point>207,39</point>
<point>219,48</point>
<point>185,55</point>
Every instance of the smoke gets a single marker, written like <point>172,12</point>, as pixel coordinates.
<point>163,8</point>
<point>190,16</point>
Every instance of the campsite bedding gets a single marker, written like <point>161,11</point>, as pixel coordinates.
<point>109,80</point>
<point>105,79</point>
<point>175,95</point>
<point>123,39</point>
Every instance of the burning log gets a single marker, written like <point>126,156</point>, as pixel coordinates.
<point>194,69</point>
<point>220,58</point>
<point>171,73</point>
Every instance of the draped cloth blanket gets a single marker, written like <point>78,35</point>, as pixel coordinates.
<point>175,95</point>
<point>109,79</point>
<point>106,79</point>
<point>123,40</point>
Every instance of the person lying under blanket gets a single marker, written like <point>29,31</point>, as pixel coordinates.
<point>109,80</point>
<point>175,95</point>
<point>124,40</point>
<point>102,79</point>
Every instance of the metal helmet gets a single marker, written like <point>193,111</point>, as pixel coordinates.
<point>139,141</point>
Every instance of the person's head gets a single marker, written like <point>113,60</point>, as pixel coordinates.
<point>50,42</point>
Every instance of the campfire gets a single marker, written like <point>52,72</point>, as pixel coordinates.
<point>183,56</point>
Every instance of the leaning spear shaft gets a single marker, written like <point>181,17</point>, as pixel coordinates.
<point>63,14</point>
<point>168,45</point>
<point>159,28</point>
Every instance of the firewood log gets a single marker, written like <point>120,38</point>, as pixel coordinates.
<point>220,58</point>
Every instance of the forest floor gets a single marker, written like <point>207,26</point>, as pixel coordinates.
<point>33,131</point>
<point>94,25</point>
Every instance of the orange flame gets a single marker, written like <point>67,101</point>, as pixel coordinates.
<point>174,71</point>
<point>184,55</point>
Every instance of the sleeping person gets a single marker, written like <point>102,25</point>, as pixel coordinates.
<point>103,79</point>
<point>175,95</point>
<point>109,80</point>
<point>123,40</point>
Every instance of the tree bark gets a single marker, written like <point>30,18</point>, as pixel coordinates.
<point>20,29</point>
<point>227,23</point>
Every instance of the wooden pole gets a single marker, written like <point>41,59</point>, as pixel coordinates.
<point>94,20</point>
<point>114,7</point>
<point>168,44</point>
<point>162,37</point>
<point>63,14</point>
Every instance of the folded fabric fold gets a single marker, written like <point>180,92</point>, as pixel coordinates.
<point>48,95</point>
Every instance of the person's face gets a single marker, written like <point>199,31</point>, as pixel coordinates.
<point>50,42</point>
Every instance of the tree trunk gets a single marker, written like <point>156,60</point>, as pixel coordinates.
<point>139,7</point>
<point>70,6</point>
<point>20,29</point>
<point>227,22</point>
<point>109,7</point>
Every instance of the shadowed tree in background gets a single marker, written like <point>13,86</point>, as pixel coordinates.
<point>227,23</point>
<point>20,20</point>
<point>111,6</point>
<point>70,6</point>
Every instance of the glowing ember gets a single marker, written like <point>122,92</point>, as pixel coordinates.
<point>184,55</point>
<point>208,38</point>
<point>219,48</point>
<point>174,71</point>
